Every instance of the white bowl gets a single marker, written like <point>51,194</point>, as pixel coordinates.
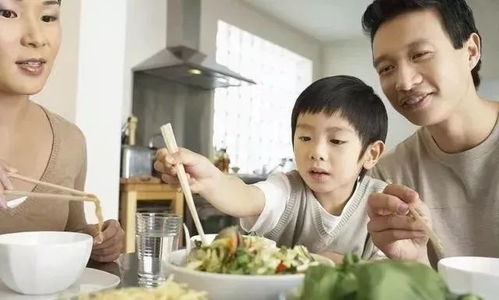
<point>231,286</point>
<point>470,274</point>
<point>43,262</point>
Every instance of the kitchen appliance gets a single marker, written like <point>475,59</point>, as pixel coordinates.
<point>182,61</point>
<point>136,161</point>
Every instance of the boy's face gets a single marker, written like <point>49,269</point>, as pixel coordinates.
<point>327,150</point>
<point>421,73</point>
<point>29,41</point>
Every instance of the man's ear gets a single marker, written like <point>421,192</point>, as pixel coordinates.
<point>373,154</point>
<point>473,46</point>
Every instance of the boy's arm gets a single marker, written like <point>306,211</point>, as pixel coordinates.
<point>227,193</point>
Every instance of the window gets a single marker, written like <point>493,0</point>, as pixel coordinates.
<point>254,122</point>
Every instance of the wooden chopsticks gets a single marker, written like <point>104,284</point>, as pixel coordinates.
<point>418,215</point>
<point>82,196</point>
<point>171,145</point>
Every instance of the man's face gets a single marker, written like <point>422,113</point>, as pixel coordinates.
<point>421,73</point>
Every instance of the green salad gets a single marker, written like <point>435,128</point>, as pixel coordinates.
<point>376,280</point>
<point>231,253</point>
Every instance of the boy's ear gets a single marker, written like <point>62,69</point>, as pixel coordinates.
<point>373,154</point>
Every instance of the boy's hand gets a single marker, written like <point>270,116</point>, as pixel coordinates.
<point>201,173</point>
<point>5,183</point>
<point>394,231</point>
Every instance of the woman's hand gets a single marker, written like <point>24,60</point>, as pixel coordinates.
<point>5,183</point>
<point>109,244</point>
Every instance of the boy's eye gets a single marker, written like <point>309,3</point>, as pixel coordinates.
<point>336,142</point>
<point>304,138</point>
<point>9,14</point>
<point>48,19</point>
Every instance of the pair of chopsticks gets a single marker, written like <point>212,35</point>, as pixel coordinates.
<point>171,146</point>
<point>81,196</point>
<point>418,215</point>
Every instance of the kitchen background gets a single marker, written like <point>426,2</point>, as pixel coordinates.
<point>105,72</point>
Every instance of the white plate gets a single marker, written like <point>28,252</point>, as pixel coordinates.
<point>91,280</point>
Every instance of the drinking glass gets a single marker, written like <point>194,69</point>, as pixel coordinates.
<point>156,235</point>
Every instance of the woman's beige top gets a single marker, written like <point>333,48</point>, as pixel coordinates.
<point>66,167</point>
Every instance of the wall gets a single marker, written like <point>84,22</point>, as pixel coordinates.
<point>65,70</point>
<point>100,96</point>
<point>247,18</point>
<point>146,35</point>
<point>353,57</point>
<point>86,87</point>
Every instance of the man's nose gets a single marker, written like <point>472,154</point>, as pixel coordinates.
<point>407,77</point>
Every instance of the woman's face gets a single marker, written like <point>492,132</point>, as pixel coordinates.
<point>30,34</point>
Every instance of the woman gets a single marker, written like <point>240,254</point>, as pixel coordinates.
<point>34,141</point>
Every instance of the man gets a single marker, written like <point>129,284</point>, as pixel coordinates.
<point>427,54</point>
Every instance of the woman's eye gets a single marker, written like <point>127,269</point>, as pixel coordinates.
<point>48,19</point>
<point>9,14</point>
<point>304,138</point>
<point>336,142</point>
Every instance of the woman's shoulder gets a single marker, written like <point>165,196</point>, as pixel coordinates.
<point>67,131</point>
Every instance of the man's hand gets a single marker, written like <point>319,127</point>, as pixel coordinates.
<point>394,231</point>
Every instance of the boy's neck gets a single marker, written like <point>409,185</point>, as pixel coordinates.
<point>334,202</point>
<point>12,109</point>
<point>469,125</point>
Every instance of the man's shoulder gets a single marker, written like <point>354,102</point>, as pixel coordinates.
<point>400,158</point>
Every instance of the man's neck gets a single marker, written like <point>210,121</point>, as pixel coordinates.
<point>470,124</point>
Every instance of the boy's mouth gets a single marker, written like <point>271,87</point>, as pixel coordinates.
<point>318,172</point>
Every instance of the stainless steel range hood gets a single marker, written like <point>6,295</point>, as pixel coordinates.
<point>182,61</point>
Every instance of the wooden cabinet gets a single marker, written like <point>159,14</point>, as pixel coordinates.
<point>133,191</point>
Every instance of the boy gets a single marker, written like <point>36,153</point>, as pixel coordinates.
<point>428,54</point>
<point>338,130</point>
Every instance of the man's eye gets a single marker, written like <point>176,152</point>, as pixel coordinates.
<point>336,142</point>
<point>9,14</point>
<point>420,55</point>
<point>49,19</point>
<point>304,138</point>
<point>385,70</point>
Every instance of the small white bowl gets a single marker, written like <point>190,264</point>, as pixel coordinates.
<point>43,262</point>
<point>471,274</point>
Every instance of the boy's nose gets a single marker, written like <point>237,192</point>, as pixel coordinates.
<point>319,152</point>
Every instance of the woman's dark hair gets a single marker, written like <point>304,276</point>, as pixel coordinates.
<point>352,99</point>
<point>456,15</point>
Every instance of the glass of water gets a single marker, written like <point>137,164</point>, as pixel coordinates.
<point>156,235</point>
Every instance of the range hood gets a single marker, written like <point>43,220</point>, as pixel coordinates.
<point>182,61</point>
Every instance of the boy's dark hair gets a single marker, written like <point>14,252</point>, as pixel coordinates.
<point>456,15</point>
<point>350,97</point>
